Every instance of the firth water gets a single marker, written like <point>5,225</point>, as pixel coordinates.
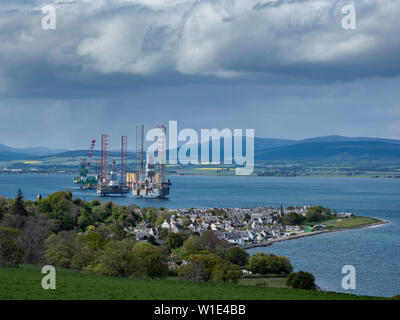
<point>374,252</point>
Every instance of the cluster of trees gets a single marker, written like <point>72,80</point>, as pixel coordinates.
<point>318,214</point>
<point>91,237</point>
<point>95,252</point>
<point>313,215</point>
<point>264,263</point>
<point>293,219</point>
<point>25,225</point>
<point>204,258</point>
<point>23,231</point>
<point>67,213</point>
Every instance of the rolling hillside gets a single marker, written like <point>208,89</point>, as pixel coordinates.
<point>322,151</point>
<point>329,148</point>
<point>33,151</point>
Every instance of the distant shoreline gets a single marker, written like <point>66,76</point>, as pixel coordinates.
<point>308,234</point>
<point>70,173</point>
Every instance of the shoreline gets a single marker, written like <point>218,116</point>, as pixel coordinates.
<point>73,173</point>
<point>308,234</point>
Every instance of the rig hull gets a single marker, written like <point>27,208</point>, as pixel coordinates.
<point>151,191</point>
<point>104,191</point>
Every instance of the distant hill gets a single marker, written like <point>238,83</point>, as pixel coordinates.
<point>341,150</point>
<point>84,154</point>
<point>334,138</point>
<point>33,151</point>
<point>11,156</point>
<point>313,149</point>
<point>266,143</point>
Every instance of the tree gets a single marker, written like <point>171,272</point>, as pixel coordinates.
<point>237,256</point>
<point>95,241</point>
<point>212,243</point>
<point>175,240</point>
<point>192,271</point>
<point>269,264</point>
<point>233,273</point>
<point>293,219</point>
<point>149,261</point>
<point>200,267</point>
<point>179,254</point>
<point>317,214</point>
<point>301,280</point>
<point>61,248</point>
<point>193,244</point>
<point>286,265</point>
<point>58,196</point>
<point>11,252</point>
<point>99,214</point>
<point>162,233</point>
<point>257,263</point>
<point>313,216</point>
<point>161,217</point>
<point>207,266</point>
<point>3,207</point>
<point>152,240</point>
<point>209,240</point>
<point>85,219</point>
<point>151,214</point>
<point>186,222</point>
<point>18,207</point>
<point>45,206</point>
<point>34,234</point>
<point>115,260</point>
<point>226,272</point>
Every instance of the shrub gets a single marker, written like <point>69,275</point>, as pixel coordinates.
<point>301,280</point>
<point>115,260</point>
<point>11,253</point>
<point>61,248</point>
<point>293,219</point>
<point>193,244</point>
<point>269,264</point>
<point>149,261</point>
<point>199,267</point>
<point>175,240</point>
<point>237,256</point>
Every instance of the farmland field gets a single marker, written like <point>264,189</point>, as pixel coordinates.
<point>25,283</point>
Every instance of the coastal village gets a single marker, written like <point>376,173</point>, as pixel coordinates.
<point>239,226</point>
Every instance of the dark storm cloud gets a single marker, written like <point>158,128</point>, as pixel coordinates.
<point>270,65</point>
<point>141,42</point>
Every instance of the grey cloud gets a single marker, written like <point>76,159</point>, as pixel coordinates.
<point>225,39</point>
<point>285,68</point>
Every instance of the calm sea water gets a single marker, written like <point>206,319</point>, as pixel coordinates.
<point>374,252</point>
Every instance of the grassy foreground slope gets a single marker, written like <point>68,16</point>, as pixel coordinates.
<point>25,283</point>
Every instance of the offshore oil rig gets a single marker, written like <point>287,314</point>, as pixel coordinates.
<point>150,183</point>
<point>86,180</point>
<point>147,182</point>
<point>109,183</point>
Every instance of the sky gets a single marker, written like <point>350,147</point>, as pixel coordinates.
<point>285,68</point>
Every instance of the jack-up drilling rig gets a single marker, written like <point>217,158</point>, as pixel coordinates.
<point>85,179</point>
<point>150,184</point>
<point>109,183</point>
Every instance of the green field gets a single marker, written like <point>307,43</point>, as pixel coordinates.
<point>277,282</point>
<point>352,222</point>
<point>25,283</point>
